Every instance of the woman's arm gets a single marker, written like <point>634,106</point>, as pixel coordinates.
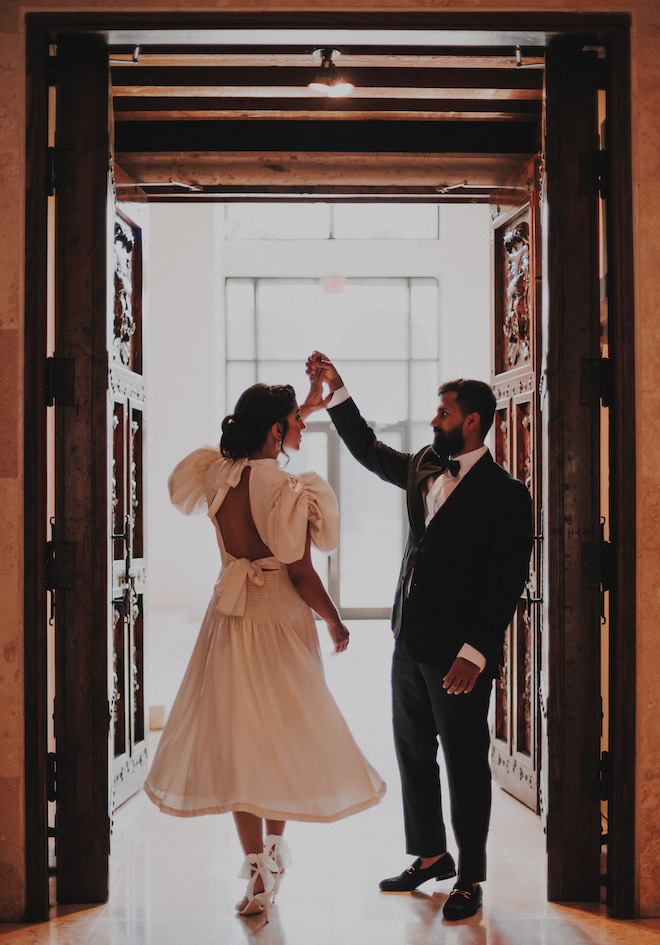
<point>389,464</point>
<point>310,587</point>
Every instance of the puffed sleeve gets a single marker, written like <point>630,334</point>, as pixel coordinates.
<point>302,502</point>
<point>187,483</point>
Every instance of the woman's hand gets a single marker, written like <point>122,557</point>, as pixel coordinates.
<point>315,399</point>
<point>338,634</point>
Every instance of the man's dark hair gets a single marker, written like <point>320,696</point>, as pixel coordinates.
<point>473,397</point>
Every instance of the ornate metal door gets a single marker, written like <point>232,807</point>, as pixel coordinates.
<point>126,386</point>
<point>517,358</point>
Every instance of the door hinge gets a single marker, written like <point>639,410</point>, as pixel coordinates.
<point>596,382</point>
<point>594,173</point>
<point>605,776</point>
<point>51,776</point>
<point>596,559</point>
<point>60,777</point>
<point>59,163</point>
<point>60,382</point>
<point>607,565</point>
<point>60,565</point>
<point>592,783</point>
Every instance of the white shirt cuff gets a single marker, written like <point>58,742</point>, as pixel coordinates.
<point>339,396</point>
<point>469,653</point>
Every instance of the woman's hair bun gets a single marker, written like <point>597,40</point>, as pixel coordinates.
<point>259,407</point>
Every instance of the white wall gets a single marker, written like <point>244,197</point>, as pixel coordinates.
<point>184,407</point>
<point>465,298</point>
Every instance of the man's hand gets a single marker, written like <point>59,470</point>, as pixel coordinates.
<point>319,363</point>
<point>461,677</point>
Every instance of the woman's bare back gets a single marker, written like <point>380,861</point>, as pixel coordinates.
<point>234,517</point>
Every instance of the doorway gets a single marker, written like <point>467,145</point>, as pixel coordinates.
<point>615,38</point>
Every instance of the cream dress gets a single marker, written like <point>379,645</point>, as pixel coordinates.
<point>254,726</point>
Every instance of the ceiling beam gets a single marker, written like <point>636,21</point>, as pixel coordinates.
<point>128,80</point>
<point>372,54</point>
<point>349,136</point>
<point>295,91</point>
<point>216,172</point>
<point>306,109</point>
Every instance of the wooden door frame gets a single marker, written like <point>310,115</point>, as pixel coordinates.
<point>572,492</point>
<point>35,457</point>
<point>82,138</point>
<point>82,766</point>
<point>616,26</point>
<point>623,893</point>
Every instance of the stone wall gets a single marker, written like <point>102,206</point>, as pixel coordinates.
<point>646,147</point>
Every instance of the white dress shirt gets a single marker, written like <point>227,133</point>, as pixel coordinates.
<point>438,493</point>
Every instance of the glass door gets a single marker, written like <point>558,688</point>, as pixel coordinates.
<point>361,573</point>
<point>383,335</point>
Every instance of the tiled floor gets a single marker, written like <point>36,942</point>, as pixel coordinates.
<point>173,881</point>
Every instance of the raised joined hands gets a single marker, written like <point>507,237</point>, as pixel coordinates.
<point>320,371</point>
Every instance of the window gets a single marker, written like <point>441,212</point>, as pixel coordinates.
<point>383,333</point>
<point>361,221</point>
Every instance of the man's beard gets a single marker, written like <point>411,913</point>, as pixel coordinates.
<point>448,444</point>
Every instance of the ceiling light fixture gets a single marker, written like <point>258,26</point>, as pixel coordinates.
<point>329,81</point>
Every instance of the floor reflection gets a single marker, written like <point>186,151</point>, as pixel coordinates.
<point>174,880</point>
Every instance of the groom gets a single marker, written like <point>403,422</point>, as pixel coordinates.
<point>462,574</point>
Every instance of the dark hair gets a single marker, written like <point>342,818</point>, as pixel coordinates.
<point>245,430</point>
<point>473,397</point>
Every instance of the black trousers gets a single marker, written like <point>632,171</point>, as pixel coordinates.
<point>422,711</point>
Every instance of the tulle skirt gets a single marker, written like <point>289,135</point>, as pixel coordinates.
<point>254,726</point>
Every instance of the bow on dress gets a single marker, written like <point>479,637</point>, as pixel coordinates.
<point>232,586</point>
<point>231,589</point>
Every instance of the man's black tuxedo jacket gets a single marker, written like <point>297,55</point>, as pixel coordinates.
<point>469,566</point>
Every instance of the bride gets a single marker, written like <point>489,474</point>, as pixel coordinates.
<point>254,728</point>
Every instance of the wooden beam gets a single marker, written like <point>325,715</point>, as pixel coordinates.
<point>249,114</point>
<point>126,92</point>
<point>239,108</point>
<point>217,172</point>
<point>478,57</point>
<point>357,136</point>
<point>298,76</point>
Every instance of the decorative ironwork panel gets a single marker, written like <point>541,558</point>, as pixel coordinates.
<point>514,301</point>
<point>516,309</point>
<point>502,437</point>
<point>502,694</point>
<point>119,679</point>
<point>127,389</point>
<point>524,452</point>
<point>118,477</point>
<point>137,673</point>
<point>136,483</point>
<point>127,327</point>
<point>524,681</point>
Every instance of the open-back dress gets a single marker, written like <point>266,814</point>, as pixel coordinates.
<point>254,726</point>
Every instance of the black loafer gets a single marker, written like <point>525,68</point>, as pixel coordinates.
<point>462,903</point>
<point>414,876</point>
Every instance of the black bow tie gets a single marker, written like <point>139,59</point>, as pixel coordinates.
<point>453,466</point>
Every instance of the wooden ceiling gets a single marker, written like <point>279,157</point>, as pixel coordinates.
<point>222,121</point>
